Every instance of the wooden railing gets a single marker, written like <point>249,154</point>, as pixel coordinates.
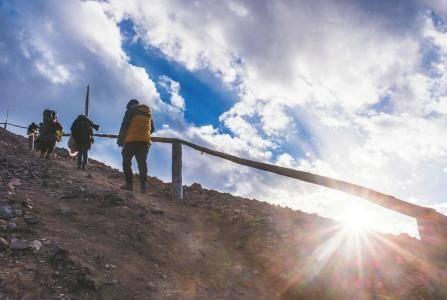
<point>432,225</point>
<point>382,199</point>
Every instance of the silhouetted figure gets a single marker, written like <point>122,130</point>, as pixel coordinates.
<point>82,132</point>
<point>33,128</point>
<point>50,133</point>
<point>134,137</point>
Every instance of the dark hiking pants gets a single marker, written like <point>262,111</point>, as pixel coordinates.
<point>82,156</point>
<point>46,147</point>
<point>140,151</point>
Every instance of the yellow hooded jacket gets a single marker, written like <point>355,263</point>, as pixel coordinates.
<point>137,125</point>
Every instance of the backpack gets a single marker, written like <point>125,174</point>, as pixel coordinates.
<point>33,129</point>
<point>82,130</point>
<point>49,115</point>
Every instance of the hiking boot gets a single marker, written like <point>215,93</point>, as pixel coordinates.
<point>143,187</point>
<point>127,187</point>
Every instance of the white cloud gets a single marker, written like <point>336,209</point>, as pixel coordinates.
<point>238,8</point>
<point>173,88</point>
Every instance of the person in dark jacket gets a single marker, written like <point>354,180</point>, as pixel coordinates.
<point>82,132</point>
<point>33,128</point>
<point>135,138</point>
<point>50,133</point>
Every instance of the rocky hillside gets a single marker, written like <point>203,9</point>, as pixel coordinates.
<point>68,234</point>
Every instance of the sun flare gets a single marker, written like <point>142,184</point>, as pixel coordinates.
<point>356,221</point>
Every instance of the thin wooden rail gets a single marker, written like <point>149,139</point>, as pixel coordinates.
<point>14,125</point>
<point>376,197</point>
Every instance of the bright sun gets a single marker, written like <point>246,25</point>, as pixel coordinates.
<point>356,220</point>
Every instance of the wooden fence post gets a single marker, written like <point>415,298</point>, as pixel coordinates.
<point>87,100</point>
<point>177,170</point>
<point>7,116</point>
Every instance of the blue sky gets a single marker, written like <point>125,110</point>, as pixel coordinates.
<point>206,98</point>
<point>350,89</point>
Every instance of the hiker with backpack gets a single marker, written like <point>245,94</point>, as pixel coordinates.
<point>135,138</point>
<point>82,133</point>
<point>51,132</point>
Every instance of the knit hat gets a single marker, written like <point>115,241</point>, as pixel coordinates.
<point>131,103</point>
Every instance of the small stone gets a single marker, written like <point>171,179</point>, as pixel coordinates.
<point>11,226</point>
<point>156,211</point>
<point>238,269</point>
<point>3,244</point>
<point>67,211</point>
<point>46,242</point>
<point>31,220</point>
<point>89,282</point>
<point>58,253</point>
<point>5,173</point>
<point>27,204</point>
<point>111,282</point>
<point>16,244</point>
<point>55,184</point>
<point>151,287</point>
<point>164,276</point>
<point>114,199</point>
<point>36,245</point>
<point>6,212</point>
<point>14,182</point>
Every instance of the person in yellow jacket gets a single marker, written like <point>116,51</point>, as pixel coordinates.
<point>135,138</point>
